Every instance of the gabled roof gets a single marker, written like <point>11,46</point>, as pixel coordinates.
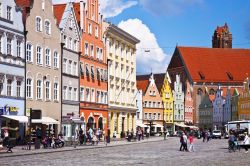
<point>142,82</point>
<point>58,11</point>
<point>215,64</point>
<point>77,11</point>
<point>159,80</point>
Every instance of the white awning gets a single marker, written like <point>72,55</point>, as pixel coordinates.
<point>193,127</point>
<point>158,125</point>
<point>45,120</point>
<point>21,119</point>
<point>181,125</point>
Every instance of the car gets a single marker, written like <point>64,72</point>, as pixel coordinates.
<point>216,134</point>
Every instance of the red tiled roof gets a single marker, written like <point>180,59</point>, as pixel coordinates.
<point>23,3</point>
<point>58,11</point>
<point>159,80</point>
<point>216,64</point>
<point>77,11</point>
<point>142,82</point>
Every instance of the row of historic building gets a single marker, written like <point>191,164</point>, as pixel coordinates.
<point>58,62</point>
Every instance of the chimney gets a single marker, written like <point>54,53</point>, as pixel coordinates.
<point>82,10</point>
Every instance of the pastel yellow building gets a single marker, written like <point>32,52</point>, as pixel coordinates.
<point>167,99</point>
<point>120,51</point>
<point>244,101</point>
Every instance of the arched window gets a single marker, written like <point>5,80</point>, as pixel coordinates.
<point>47,90</point>
<point>211,91</point>
<point>29,52</point>
<point>91,123</point>
<point>56,60</point>
<point>39,55</point>
<point>47,27</point>
<point>29,88</point>
<point>39,89</point>
<point>100,123</point>
<point>47,57</point>
<point>38,24</point>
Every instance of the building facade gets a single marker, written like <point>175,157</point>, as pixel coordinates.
<point>93,66</point>
<point>43,63</point>
<point>178,96</point>
<point>227,112</point>
<point>167,99</point>
<point>121,51</point>
<point>235,104</point>
<point>152,103</point>
<point>139,111</point>
<point>206,113</point>
<point>12,65</point>
<point>244,101</point>
<point>188,105</point>
<point>218,107</point>
<point>70,32</point>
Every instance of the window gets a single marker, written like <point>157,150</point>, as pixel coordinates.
<point>56,91</point>
<point>56,60</point>
<point>75,45</point>
<point>101,56</point>
<point>0,9</point>
<point>9,40</point>
<point>65,65</point>
<point>8,16</point>
<point>87,95</point>
<point>75,94</point>
<point>96,32</point>
<point>29,51</point>
<point>39,89</point>
<point>97,53</point>
<point>1,88</point>
<point>92,95</point>
<point>0,42</point>
<point>86,48</point>
<point>71,23</point>
<point>145,115</point>
<point>70,93</point>
<point>18,48</point>
<point>90,29</point>
<point>70,43</point>
<point>47,90</point>
<point>47,27</point>
<point>92,72</point>
<point>9,82</point>
<point>47,57</point>
<point>75,71</point>
<point>92,50</point>
<point>70,67</point>
<point>65,92</point>
<point>39,55</point>
<point>82,94</point>
<point>29,88</point>
<point>38,24</point>
<point>159,116</point>
<point>18,89</point>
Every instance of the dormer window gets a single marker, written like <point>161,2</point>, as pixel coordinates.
<point>201,74</point>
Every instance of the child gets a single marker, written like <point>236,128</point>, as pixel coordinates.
<point>191,141</point>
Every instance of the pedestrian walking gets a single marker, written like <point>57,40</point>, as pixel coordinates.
<point>181,142</point>
<point>246,142</point>
<point>191,142</point>
<point>185,141</point>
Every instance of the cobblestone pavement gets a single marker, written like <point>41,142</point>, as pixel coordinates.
<point>148,153</point>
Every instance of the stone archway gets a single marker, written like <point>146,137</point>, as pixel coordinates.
<point>100,123</point>
<point>91,123</point>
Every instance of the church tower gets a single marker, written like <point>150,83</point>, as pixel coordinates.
<point>222,37</point>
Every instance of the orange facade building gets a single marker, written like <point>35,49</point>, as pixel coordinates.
<point>93,66</point>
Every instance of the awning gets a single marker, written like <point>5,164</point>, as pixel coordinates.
<point>158,125</point>
<point>141,125</point>
<point>20,119</point>
<point>45,120</point>
<point>181,125</point>
<point>193,127</point>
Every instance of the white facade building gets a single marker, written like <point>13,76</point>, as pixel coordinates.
<point>139,112</point>
<point>227,107</point>
<point>218,106</point>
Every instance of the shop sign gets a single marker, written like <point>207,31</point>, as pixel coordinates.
<point>27,112</point>
<point>4,110</point>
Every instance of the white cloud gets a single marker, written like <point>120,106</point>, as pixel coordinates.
<point>156,59</point>
<point>109,8</point>
<point>112,8</point>
<point>169,7</point>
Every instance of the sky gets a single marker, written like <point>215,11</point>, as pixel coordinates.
<point>161,25</point>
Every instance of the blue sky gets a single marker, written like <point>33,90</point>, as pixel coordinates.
<point>162,24</point>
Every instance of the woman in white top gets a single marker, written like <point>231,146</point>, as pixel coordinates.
<point>246,142</point>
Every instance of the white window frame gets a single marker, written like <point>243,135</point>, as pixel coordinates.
<point>90,28</point>
<point>65,93</point>
<point>69,66</point>
<point>39,25</point>
<point>18,89</point>
<point>65,61</point>
<point>29,88</point>
<point>9,91</point>
<point>82,93</point>
<point>56,60</point>
<point>1,46</point>
<point>9,45</point>
<point>41,55</point>
<point>47,28</point>
<point>48,90</point>
<point>47,58</point>
<point>92,50</point>
<point>86,49</point>
<point>18,48</point>
<point>88,94</point>
<point>56,91</point>
<point>96,32</point>
<point>92,95</point>
<point>75,94</point>
<point>39,96</point>
<point>9,13</point>
<point>29,52</point>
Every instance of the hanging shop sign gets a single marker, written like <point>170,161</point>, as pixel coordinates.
<point>4,110</point>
